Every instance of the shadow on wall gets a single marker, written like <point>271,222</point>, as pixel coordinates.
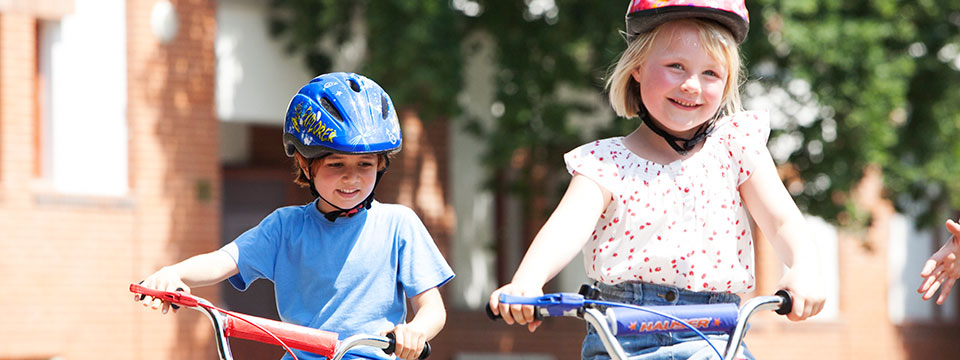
<point>176,173</point>
<point>418,176</point>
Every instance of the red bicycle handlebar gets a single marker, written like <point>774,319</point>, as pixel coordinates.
<point>298,337</point>
<point>174,297</point>
<point>250,327</point>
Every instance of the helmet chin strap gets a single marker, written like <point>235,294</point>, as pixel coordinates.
<point>333,215</point>
<point>341,212</point>
<point>679,144</point>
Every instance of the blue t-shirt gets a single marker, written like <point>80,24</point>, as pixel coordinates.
<point>350,276</point>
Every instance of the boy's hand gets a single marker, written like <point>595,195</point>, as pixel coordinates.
<point>943,268</point>
<point>803,283</point>
<point>521,314</point>
<point>165,279</point>
<point>409,341</point>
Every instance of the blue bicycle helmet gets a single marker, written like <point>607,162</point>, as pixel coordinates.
<point>342,113</point>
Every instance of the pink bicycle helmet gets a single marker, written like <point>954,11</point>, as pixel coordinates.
<point>644,15</point>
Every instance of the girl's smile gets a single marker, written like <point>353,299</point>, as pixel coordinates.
<point>684,104</point>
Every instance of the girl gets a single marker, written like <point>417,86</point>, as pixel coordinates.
<point>661,214</point>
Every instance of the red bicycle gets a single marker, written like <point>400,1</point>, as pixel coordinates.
<point>242,326</point>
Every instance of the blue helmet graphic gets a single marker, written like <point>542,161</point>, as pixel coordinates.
<point>342,113</point>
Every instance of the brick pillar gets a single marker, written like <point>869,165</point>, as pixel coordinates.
<point>174,166</point>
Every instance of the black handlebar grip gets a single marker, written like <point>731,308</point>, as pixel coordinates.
<point>392,347</point>
<point>175,306</point>
<point>490,314</point>
<point>787,304</point>
<point>426,351</point>
<point>536,313</point>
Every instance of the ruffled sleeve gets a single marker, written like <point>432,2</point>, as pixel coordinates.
<point>745,135</point>
<point>598,161</point>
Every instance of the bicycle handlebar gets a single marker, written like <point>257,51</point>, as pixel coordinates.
<point>173,297</point>
<point>242,326</point>
<point>570,304</point>
<point>625,319</point>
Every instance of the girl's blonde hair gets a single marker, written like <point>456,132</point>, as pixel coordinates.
<point>624,91</point>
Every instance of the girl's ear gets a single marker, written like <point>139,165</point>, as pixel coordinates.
<point>304,165</point>
<point>636,74</point>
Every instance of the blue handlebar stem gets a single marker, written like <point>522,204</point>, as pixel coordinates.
<point>558,304</point>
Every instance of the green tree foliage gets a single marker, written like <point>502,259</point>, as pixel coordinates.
<point>881,78</point>
<point>885,73</point>
<point>414,51</point>
<point>538,52</point>
<point>412,48</point>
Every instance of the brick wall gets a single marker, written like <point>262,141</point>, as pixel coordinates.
<point>173,161</point>
<point>418,176</point>
<point>68,259</point>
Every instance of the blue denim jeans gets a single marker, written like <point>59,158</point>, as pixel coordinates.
<point>666,346</point>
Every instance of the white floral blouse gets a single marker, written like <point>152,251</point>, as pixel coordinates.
<point>681,224</point>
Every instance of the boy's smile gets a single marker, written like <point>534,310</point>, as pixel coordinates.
<point>348,194</point>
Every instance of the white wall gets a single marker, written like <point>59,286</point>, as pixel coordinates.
<point>825,238</point>
<point>255,76</point>
<point>909,249</point>
<point>473,254</point>
<point>474,257</point>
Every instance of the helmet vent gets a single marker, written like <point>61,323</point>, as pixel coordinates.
<point>332,110</point>
<point>384,107</point>
<point>354,85</point>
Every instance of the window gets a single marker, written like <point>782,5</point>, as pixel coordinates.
<point>82,97</point>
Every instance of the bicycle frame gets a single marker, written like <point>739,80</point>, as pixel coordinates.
<point>624,319</point>
<point>230,324</point>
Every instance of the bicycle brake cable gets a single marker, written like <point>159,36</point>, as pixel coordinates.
<point>265,331</point>
<point>641,308</point>
<point>567,301</point>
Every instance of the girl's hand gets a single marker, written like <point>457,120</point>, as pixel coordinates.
<point>521,314</point>
<point>804,284</point>
<point>943,268</point>
<point>165,279</point>
<point>409,341</point>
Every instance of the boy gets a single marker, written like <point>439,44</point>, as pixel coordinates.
<point>344,262</point>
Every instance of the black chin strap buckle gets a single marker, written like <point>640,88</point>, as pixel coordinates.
<point>679,144</point>
<point>332,216</point>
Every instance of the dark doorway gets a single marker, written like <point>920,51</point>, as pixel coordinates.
<point>252,191</point>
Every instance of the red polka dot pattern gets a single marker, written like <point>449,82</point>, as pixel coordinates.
<point>685,219</point>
